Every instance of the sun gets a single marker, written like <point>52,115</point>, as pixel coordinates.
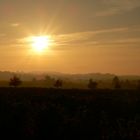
<point>40,43</point>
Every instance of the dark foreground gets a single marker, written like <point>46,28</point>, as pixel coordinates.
<point>66,114</point>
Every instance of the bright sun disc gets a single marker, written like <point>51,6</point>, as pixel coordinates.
<point>40,43</point>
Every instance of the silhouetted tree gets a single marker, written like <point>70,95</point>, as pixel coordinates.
<point>15,81</point>
<point>58,83</point>
<point>116,83</point>
<point>92,84</point>
<point>47,78</point>
<point>138,85</point>
<point>34,79</point>
<point>49,81</point>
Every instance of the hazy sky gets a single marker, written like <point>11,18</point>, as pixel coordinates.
<point>89,35</point>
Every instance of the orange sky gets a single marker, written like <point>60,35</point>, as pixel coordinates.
<point>88,36</point>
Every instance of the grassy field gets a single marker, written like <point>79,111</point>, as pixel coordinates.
<point>69,113</point>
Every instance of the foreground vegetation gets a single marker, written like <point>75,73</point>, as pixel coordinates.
<point>69,113</point>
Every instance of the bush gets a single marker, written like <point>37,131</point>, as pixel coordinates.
<point>15,81</point>
<point>92,84</point>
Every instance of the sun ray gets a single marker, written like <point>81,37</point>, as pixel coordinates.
<point>39,43</point>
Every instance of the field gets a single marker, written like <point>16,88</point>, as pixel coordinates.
<point>69,113</point>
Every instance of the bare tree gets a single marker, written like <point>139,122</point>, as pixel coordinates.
<point>138,84</point>
<point>15,81</point>
<point>58,83</point>
<point>92,84</point>
<point>116,83</point>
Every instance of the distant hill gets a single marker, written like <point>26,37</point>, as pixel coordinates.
<point>6,75</point>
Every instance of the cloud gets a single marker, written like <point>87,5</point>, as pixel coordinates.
<point>125,41</point>
<point>108,12</point>
<point>84,38</point>
<point>125,4</point>
<point>14,24</point>
<point>118,6</point>
<point>101,37</point>
<point>2,34</point>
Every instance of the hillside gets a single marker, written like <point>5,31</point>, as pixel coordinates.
<point>66,114</point>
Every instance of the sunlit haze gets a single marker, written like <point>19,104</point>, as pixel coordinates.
<point>70,36</point>
<point>39,43</point>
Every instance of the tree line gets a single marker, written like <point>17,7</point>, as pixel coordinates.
<point>15,81</point>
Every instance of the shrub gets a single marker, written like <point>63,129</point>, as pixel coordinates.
<point>15,81</point>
